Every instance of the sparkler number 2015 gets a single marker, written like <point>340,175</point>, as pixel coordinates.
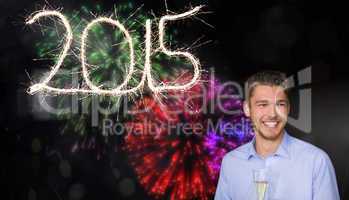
<point>120,90</point>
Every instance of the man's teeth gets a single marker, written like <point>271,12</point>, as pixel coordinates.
<point>270,124</point>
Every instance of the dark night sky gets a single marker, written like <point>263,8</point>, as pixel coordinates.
<point>247,36</point>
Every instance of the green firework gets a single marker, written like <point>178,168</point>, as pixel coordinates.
<point>107,54</point>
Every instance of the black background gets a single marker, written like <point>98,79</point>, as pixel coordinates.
<point>247,36</point>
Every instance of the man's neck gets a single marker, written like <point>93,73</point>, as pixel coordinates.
<point>265,147</point>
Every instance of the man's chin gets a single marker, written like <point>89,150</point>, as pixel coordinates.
<point>270,135</point>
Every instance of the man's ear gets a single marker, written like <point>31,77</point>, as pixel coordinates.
<point>246,108</point>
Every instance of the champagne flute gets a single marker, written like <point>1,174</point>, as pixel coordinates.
<point>261,183</point>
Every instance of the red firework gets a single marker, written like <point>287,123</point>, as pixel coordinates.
<point>166,142</point>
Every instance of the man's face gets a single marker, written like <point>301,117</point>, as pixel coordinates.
<point>268,108</point>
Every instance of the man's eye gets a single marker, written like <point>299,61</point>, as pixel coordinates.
<point>262,105</point>
<point>281,104</point>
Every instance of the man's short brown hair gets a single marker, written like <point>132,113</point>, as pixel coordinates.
<point>267,77</point>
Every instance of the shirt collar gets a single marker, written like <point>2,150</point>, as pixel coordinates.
<point>283,149</point>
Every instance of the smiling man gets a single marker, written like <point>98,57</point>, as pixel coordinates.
<point>274,165</point>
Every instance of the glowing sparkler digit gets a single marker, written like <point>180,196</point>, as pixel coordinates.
<point>96,89</point>
<point>193,60</point>
<point>147,60</point>
<point>68,40</point>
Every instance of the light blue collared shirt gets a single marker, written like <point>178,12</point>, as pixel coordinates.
<point>296,171</point>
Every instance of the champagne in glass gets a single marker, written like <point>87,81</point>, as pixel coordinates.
<point>261,183</point>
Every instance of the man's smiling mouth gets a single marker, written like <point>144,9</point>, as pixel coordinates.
<point>270,124</point>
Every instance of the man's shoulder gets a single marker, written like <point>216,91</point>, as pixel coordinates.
<point>240,152</point>
<point>301,147</point>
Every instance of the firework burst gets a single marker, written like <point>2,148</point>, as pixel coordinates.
<point>176,145</point>
<point>107,52</point>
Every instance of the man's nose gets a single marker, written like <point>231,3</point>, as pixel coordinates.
<point>272,110</point>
